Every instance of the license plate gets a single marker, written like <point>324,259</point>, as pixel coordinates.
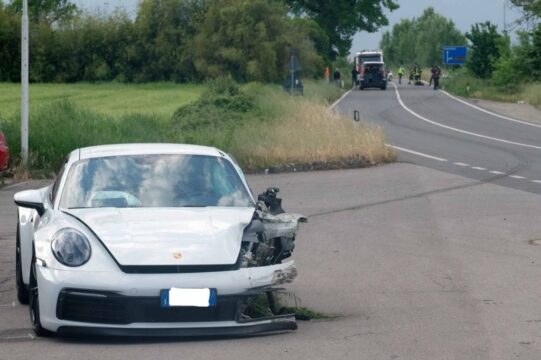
<point>188,297</point>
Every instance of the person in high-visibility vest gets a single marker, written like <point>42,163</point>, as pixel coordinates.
<point>327,73</point>
<point>401,72</point>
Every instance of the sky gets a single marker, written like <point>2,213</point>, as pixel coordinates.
<point>464,13</point>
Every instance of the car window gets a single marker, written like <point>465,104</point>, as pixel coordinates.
<point>154,181</point>
<point>56,184</point>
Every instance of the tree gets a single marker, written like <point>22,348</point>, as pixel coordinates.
<point>163,44</point>
<point>485,49</point>
<point>249,40</point>
<point>10,42</point>
<point>341,19</point>
<point>531,9</point>
<point>420,40</point>
<point>399,44</point>
<point>47,11</point>
<point>528,53</point>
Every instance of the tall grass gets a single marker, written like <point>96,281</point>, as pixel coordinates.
<point>59,128</point>
<point>261,127</point>
<point>464,84</point>
<point>304,131</point>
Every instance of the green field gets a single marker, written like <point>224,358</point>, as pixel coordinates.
<point>106,98</point>
<point>259,124</point>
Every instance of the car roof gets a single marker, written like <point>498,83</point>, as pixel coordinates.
<point>145,149</point>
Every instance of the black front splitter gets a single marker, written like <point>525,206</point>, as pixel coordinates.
<point>240,330</point>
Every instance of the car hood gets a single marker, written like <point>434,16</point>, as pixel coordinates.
<point>169,236</point>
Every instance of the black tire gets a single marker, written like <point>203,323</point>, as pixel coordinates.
<point>384,88</point>
<point>22,289</point>
<point>33,307</point>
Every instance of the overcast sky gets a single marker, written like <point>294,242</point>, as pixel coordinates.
<point>464,13</point>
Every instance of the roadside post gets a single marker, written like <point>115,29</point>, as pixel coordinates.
<point>293,84</point>
<point>24,84</point>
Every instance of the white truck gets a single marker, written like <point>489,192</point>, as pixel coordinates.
<point>371,69</point>
<point>368,56</point>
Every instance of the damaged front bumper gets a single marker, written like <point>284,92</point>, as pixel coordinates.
<point>74,303</point>
<point>278,323</point>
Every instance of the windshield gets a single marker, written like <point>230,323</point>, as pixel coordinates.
<point>368,58</point>
<point>154,181</point>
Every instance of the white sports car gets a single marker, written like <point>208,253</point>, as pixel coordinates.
<point>152,239</point>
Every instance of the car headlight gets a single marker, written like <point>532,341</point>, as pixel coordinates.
<point>70,247</point>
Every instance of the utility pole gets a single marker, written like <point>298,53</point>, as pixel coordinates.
<point>505,17</point>
<point>24,84</point>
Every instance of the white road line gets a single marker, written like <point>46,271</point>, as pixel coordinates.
<point>13,185</point>
<point>478,168</point>
<point>338,101</point>
<point>13,304</point>
<point>459,130</point>
<point>536,181</point>
<point>517,177</point>
<point>461,164</point>
<point>18,337</point>
<point>490,112</point>
<point>417,153</point>
<point>495,172</point>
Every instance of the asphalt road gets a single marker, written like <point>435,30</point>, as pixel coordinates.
<point>460,139</point>
<point>414,262</point>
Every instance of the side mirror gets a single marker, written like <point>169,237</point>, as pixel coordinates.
<point>31,199</point>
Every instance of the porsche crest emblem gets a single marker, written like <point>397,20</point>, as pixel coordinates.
<point>177,255</point>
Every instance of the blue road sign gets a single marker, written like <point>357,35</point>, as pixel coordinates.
<point>455,55</point>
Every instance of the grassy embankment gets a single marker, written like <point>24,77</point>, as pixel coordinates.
<point>457,82</point>
<point>261,126</point>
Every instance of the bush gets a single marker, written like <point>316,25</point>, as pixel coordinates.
<point>506,75</point>
<point>212,119</point>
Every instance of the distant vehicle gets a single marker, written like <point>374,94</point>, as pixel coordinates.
<point>4,152</point>
<point>373,75</point>
<point>152,239</point>
<point>368,56</point>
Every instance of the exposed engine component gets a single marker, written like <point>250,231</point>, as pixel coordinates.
<point>270,237</point>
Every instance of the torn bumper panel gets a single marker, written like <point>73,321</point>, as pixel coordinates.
<point>276,324</point>
<point>76,302</point>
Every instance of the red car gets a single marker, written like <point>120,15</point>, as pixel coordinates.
<point>4,152</point>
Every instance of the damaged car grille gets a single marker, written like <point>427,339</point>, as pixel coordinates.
<point>172,269</point>
<point>102,307</point>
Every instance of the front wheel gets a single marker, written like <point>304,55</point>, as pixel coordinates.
<point>22,290</point>
<point>35,318</point>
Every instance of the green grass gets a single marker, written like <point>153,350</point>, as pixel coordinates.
<point>258,307</point>
<point>463,84</point>
<point>105,98</point>
<point>261,126</point>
